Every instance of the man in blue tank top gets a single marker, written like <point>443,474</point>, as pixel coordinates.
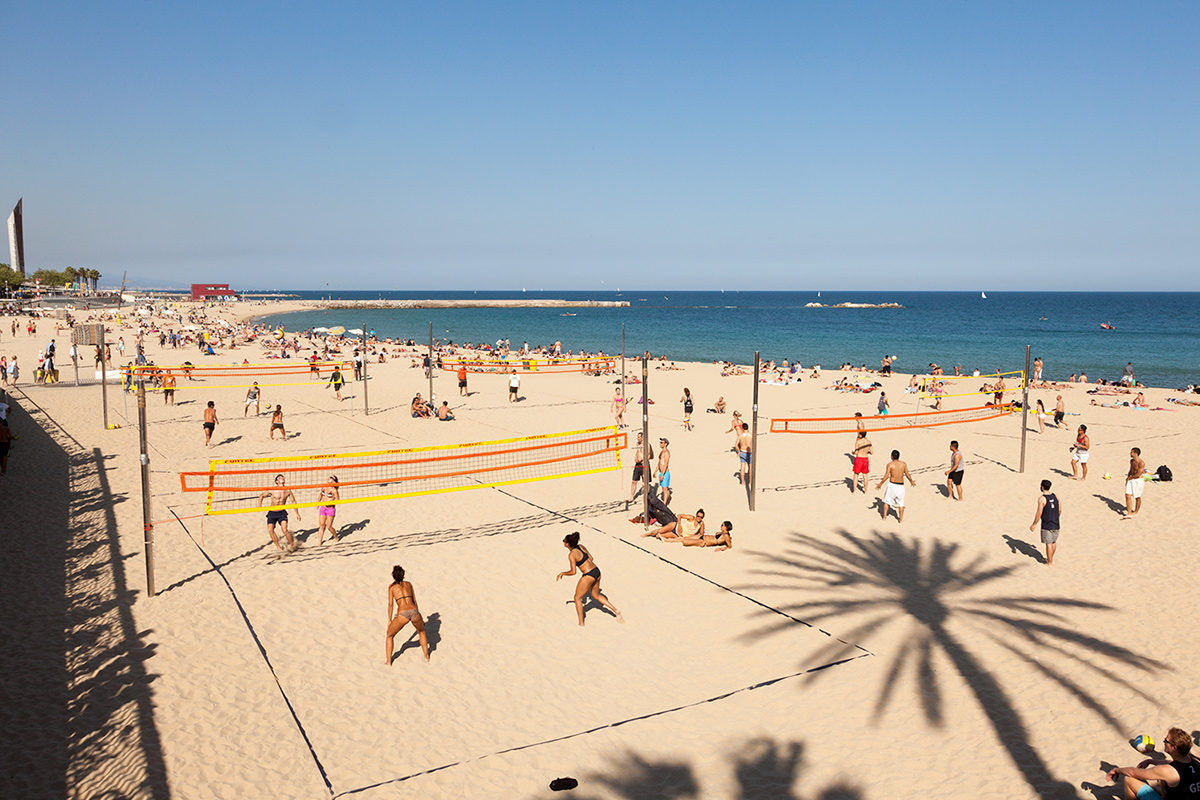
<point>1048,509</point>
<point>1157,779</point>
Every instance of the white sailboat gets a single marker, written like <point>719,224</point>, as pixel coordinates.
<point>983,295</point>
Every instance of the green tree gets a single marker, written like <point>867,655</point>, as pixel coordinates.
<point>9,278</point>
<point>50,277</point>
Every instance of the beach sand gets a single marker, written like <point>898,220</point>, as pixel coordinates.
<point>830,654</point>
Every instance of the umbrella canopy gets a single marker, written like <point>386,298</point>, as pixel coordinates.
<point>356,331</point>
<point>338,331</point>
<point>322,329</point>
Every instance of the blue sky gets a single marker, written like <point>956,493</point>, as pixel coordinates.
<point>561,144</point>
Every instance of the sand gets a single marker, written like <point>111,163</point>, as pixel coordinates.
<point>830,654</point>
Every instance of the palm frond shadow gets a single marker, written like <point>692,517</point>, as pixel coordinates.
<point>885,579</point>
<point>763,768</point>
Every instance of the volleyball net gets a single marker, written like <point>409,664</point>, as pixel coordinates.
<point>889,422</point>
<point>242,485</point>
<point>934,386</point>
<point>231,376</point>
<point>524,365</point>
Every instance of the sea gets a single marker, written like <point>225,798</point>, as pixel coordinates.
<point>1158,332</point>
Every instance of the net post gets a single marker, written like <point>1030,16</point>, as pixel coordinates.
<point>645,448</point>
<point>144,458</point>
<point>363,336</point>
<point>622,368</point>
<point>1024,408</point>
<point>431,361</point>
<point>754,432</point>
<point>104,375</point>
<point>75,359</point>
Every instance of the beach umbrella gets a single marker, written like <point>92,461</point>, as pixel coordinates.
<point>338,331</point>
<point>355,331</point>
<point>322,329</point>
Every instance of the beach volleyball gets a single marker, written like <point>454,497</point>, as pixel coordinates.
<point>1107,476</point>
<point>1143,743</point>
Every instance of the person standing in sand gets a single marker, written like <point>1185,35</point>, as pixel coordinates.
<point>514,384</point>
<point>688,406</point>
<point>210,422</point>
<point>253,398</point>
<point>881,408</point>
<point>1079,454</point>
<point>641,455</point>
<point>618,408</point>
<point>1047,514</point>
<point>745,445</point>
<point>894,473</point>
<point>277,423</point>
<point>589,582</point>
<point>954,475</point>
<point>663,474</point>
<point>404,598</point>
<point>1060,412</point>
<point>1134,482</point>
<point>327,511</point>
<point>862,462</point>
<point>735,427</point>
<point>462,381</point>
<point>279,516</point>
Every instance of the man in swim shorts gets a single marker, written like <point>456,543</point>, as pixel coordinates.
<point>1134,482</point>
<point>641,454</point>
<point>462,380</point>
<point>168,383</point>
<point>1047,514</point>
<point>1060,412</point>
<point>210,422</point>
<point>862,464</point>
<point>279,516</point>
<point>954,475</point>
<point>1079,454</point>
<point>881,408</point>
<point>663,474</point>
<point>895,473</point>
<point>744,446</point>
<point>514,383</point>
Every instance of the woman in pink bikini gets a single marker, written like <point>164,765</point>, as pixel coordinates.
<point>401,593</point>
<point>327,510</point>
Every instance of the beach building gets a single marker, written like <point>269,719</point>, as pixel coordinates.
<point>212,291</point>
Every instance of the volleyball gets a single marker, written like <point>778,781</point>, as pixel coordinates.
<point>1143,743</point>
<point>1107,475</point>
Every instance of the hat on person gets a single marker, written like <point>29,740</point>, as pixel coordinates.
<point>664,440</point>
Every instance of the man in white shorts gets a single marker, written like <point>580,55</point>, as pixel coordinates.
<point>1079,454</point>
<point>1134,482</point>
<point>895,473</point>
<point>253,398</point>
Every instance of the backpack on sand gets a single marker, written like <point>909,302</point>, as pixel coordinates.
<point>1164,473</point>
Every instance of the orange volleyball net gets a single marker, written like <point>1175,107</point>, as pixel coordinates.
<point>238,486</point>
<point>235,376</point>
<point>529,365</point>
<point>889,422</point>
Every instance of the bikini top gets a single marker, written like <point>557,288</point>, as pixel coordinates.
<point>583,557</point>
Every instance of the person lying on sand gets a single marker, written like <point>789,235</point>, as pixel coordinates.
<point>683,526</point>
<point>722,541</point>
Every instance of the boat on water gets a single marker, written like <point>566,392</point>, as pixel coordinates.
<point>983,295</point>
<point>567,315</point>
<point>1108,326</point>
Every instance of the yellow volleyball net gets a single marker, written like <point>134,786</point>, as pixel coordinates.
<point>888,422</point>
<point>241,485</point>
<point>528,364</point>
<point>934,386</point>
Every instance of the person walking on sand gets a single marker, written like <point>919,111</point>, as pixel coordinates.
<point>642,454</point>
<point>1079,454</point>
<point>327,511</point>
<point>403,598</point>
<point>514,383</point>
<point>881,408</point>
<point>862,462</point>
<point>1040,413</point>
<point>663,474</point>
<point>1060,412</point>
<point>210,422</point>
<point>589,582</point>
<point>954,475</point>
<point>337,381</point>
<point>735,427</point>
<point>745,444</point>
<point>1048,515</point>
<point>687,408</point>
<point>894,473</point>
<point>1134,482</point>
<point>277,422</point>
<point>279,496</point>
<point>618,408</point>
<point>253,398</point>
<point>462,381</point>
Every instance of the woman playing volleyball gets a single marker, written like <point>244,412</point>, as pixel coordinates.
<point>327,510</point>
<point>589,581</point>
<point>405,599</point>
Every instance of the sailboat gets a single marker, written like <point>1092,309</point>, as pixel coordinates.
<point>983,295</point>
<point>818,293</point>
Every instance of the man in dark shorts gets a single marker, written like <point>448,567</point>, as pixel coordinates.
<point>279,496</point>
<point>1048,511</point>
<point>640,455</point>
<point>462,380</point>
<point>168,383</point>
<point>1060,412</point>
<point>514,383</point>
<point>210,422</point>
<point>954,475</point>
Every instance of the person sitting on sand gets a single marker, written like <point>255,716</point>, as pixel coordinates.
<point>579,558</point>
<point>419,409</point>
<point>719,406</point>
<point>681,527</point>
<point>722,541</point>
<point>444,413</point>
<point>404,597</point>
<point>1139,401</point>
<point>1155,778</point>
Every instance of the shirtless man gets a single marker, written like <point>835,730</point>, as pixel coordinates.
<point>210,422</point>
<point>998,389</point>
<point>253,398</point>
<point>894,473</point>
<point>663,474</point>
<point>640,456</point>
<point>862,464</point>
<point>1060,412</point>
<point>279,516</point>
<point>1079,454</point>
<point>954,475</point>
<point>744,446</point>
<point>1134,482</point>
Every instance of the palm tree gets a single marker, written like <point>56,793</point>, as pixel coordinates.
<point>886,580</point>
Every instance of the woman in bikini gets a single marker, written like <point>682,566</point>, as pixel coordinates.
<point>722,541</point>
<point>405,599</point>
<point>277,422</point>
<point>735,427</point>
<point>589,581</point>
<point>684,525</point>
<point>327,510</point>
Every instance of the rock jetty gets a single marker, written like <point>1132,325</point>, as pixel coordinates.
<point>466,303</point>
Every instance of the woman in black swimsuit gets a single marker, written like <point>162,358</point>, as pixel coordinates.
<point>401,593</point>
<point>589,581</point>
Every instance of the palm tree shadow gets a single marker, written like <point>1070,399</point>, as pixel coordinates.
<point>886,579</point>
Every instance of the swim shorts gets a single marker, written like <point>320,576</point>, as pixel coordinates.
<point>665,480</point>
<point>894,495</point>
<point>1058,417</point>
<point>1049,536</point>
<point>1134,486</point>
<point>956,477</point>
<point>1081,456</point>
<point>744,456</point>
<point>638,472</point>
<point>862,465</point>
<point>278,515</point>
<point>209,426</point>
<point>462,384</point>
<point>326,511</point>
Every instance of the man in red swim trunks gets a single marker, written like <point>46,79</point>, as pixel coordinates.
<point>862,449</point>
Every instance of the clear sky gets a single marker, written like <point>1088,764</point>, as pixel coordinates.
<point>556,145</point>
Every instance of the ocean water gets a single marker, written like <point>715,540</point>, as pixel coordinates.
<point>1158,332</point>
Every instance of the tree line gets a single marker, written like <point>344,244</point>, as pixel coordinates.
<point>11,279</point>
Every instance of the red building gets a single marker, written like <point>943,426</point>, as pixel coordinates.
<point>212,291</point>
